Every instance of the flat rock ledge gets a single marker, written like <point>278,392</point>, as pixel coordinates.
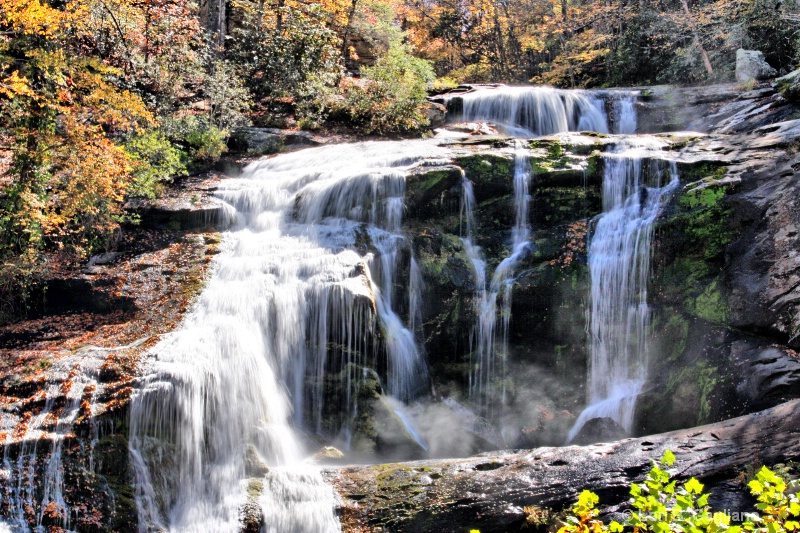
<point>499,491</point>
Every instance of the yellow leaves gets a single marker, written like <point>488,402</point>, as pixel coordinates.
<point>32,17</point>
<point>37,17</point>
<point>587,56</point>
<point>107,105</point>
<point>89,182</point>
<point>15,85</point>
<point>52,64</point>
<point>533,43</point>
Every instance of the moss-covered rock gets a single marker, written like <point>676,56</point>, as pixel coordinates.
<point>491,174</point>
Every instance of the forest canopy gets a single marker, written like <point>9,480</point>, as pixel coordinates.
<point>104,100</point>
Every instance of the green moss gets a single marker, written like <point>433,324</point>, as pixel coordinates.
<point>430,181</point>
<point>697,286</point>
<point>540,166</point>
<point>696,172</point>
<point>676,329</point>
<point>711,305</point>
<point>555,150</point>
<point>704,219</point>
<point>486,168</point>
<point>595,164</point>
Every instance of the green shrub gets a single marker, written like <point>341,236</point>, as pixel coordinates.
<point>228,98</point>
<point>662,505</point>
<point>391,95</point>
<point>207,143</point>
<point>154,161</point>
<point>280,51</point>
<point>200,140</point>
<point>19,278</point>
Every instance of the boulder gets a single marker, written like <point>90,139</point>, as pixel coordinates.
<point>254,464</point>
<point>751,65</point>
<point>599,430</point>
<point>328,453</point>
<point>435,113</point>
<point>789,86</point>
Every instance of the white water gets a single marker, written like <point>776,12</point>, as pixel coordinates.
<point>223,391</point>
<point>534,111</point>
<point>619,264</point>
<point>490,362</point>
<point>625,112</point>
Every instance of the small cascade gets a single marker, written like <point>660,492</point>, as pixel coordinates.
<point>534,111</point>
<point>619,264</point>
<point>289,305</point>
<point>624,112</point>
<point>33,481</point>
<point>489,361</point>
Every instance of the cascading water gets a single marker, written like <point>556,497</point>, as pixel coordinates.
<point>533,111</point>
<point>624,112</point>
<point>486,352</point>
<point>619,263</point>
<point>212,412</point>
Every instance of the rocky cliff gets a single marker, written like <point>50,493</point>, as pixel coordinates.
<point>723,290</point>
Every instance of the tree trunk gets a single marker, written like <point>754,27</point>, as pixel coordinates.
<point>346,37</point>
<point>496,492</point>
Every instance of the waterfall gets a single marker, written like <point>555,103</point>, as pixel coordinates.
<point>289,301</point>
<point>619,264</point>
<point>535,111</point>
<point>487,356</point>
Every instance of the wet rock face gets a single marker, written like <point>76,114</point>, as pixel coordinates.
<point>751,65</point>
<point>263,141</point>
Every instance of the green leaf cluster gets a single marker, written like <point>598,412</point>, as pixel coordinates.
<point>663,505</point>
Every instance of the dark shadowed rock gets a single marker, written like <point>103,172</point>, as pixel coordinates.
<point>765,375</point>
<point>599,430</point>
<point>435,113</point>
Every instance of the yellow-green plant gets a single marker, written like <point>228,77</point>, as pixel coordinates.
<point>663,505</point>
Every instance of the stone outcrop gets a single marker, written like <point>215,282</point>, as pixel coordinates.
<point>68,374</point>
<point>262,141</point>
<point>509,491</point>
<point>751,65</point>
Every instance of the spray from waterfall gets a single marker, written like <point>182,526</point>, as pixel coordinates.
<point>619,264</point>
<point>288,305</point>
